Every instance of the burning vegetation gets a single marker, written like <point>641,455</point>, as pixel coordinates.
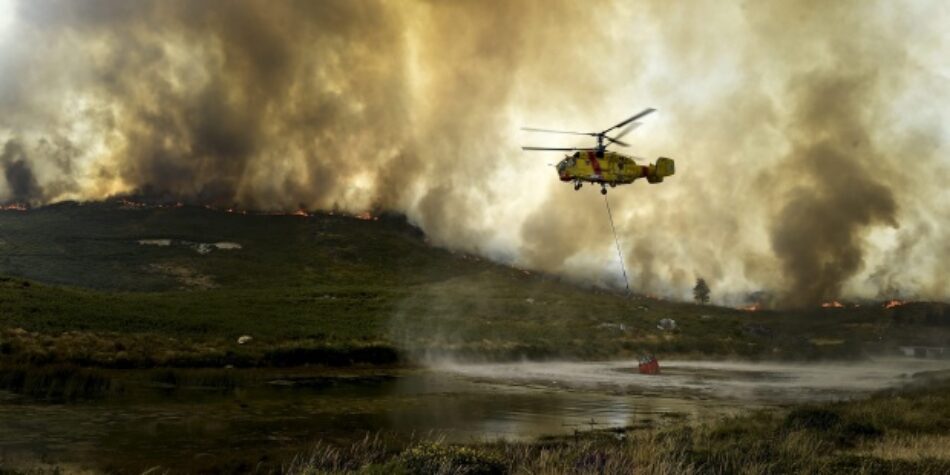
<point>14,207</point>
<point>754,307</point>
<point>129,203</point>
<point>893,303</point>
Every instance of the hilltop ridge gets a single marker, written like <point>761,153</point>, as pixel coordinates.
<point>312,288</point>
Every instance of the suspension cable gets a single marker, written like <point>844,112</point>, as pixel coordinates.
<point>623,266</point>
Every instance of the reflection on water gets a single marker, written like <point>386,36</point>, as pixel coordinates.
<point>459,403</point>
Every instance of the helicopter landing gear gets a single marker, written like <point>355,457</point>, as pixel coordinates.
<point>603,189</point>
<point>578,186</point>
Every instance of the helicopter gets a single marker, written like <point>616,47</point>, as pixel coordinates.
<point>598,165</point>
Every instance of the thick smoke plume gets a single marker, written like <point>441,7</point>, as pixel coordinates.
<point>817,228</point>
<point>810,137</point>
<point>19,175</point>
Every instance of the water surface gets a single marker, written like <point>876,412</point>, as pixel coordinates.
<point>179,428</point>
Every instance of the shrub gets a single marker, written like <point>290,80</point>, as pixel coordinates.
<point>812,419</point>
<point>438,458</point>
<point>830,426</point>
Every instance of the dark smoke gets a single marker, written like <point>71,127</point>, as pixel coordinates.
<point>819,225</point>
<point>810,137</point>
<point>266,104</point>
<point>18,160</point>
<point>20,180</point>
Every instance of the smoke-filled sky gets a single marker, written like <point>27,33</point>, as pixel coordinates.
<point>811,137</point>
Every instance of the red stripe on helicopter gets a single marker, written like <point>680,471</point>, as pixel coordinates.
<point>592,156</point>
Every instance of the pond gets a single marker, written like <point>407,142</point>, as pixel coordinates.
<point>284,413</point>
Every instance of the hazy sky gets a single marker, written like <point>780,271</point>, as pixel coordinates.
<point>810,138</point>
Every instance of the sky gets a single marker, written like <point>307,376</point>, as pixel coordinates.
<point>810,138</point>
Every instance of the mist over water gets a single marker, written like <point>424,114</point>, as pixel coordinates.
<point>747,381</point>
<point>810,138</point>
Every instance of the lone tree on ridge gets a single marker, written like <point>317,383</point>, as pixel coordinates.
<point>701,291</point>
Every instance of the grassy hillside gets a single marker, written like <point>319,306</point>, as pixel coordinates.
<point>106,284</point>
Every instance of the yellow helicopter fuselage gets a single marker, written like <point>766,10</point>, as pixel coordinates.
<point>610,168</point>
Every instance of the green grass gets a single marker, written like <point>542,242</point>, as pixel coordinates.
<point>338,290</point>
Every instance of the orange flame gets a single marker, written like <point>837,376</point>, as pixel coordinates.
<point>832,304</point>
<point>755,307</point>
<point>14,207</point>
<point>366,216</point>
<point>893,303</point>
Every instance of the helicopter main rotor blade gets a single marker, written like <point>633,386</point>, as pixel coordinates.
<point>628,129</point>
<point>643,113</point>
<point>618,142</point>
<point>557,149</point>
<point>532,129</point>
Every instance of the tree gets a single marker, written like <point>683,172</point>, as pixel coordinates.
<point>701,291</point>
